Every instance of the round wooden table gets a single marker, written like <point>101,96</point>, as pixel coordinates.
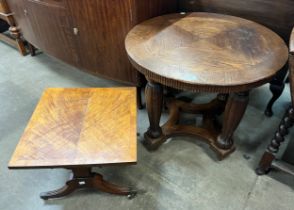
<point>204,52</point>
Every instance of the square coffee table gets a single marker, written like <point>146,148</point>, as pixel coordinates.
<point>77,129</point>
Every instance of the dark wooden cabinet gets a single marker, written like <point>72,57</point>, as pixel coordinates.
<point>51,27</point>
<point>88,34</point>
<point>100,31</point>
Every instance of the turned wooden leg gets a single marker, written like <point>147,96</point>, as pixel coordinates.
<point>154,103</point>
<point>222,101</point>
<point>15,33</point>
<point>139,98</point>
<point>234,111</point>
<point>273,148</point>
<point>84,178</point>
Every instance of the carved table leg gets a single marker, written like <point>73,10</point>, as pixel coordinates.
<point>277,90</point>
<point>209,131</point>
<point>277,86</point>
<point>154,103</point>
<point>15,33</point>
<point>235,109</point>
<point>84,178</point>
<point>273,148</point>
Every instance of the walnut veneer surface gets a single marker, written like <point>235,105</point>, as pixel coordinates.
<point>206,51</point>
<point>75,127</point>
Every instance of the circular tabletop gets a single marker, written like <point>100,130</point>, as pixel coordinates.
<point>206,52</point>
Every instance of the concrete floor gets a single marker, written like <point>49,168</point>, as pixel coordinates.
<point>180,175</point>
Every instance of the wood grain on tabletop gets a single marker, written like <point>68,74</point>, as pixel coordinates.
<point>205,49</point>
<point>80,127</point>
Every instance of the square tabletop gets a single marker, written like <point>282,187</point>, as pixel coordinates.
<point>80,127</point>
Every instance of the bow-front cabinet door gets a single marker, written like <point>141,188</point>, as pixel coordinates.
<point>46,24</point>
<point>101,27</point>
